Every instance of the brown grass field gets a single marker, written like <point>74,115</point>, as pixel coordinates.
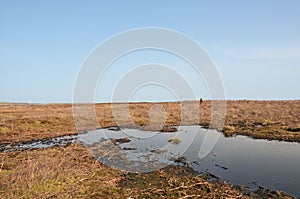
<point>278,120</point>
<point>72,172</point>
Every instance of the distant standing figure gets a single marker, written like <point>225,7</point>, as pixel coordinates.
<point>200,100</point>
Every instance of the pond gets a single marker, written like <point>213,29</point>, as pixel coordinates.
<point>238,160</point>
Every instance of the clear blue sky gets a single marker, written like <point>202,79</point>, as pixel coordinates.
<point>255,44</point>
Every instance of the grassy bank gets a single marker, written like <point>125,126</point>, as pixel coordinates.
<point>72,172</point>
<point>278,120</point>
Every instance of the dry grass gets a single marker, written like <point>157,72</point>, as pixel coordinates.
<point>55,173</point>
<point>278,120</point>
<point>174,140</point>
<point>72,172</point>
<point>264,119</point>
<point>24,122</point>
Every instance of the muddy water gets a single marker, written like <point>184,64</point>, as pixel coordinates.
<point>238,160</point>
<point>44,143</point>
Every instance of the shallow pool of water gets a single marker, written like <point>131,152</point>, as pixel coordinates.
<point>238,160</point>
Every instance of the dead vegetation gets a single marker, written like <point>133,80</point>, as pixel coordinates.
<point>59,172</point>
<point>72,172</point>
<point>278,120</point>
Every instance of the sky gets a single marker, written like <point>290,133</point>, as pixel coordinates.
<point>254,44</point>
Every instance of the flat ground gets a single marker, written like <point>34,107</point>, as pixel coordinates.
<point>72,172</point>
<point>279,120</point>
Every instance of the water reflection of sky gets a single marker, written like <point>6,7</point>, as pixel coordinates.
<point>245,161</point>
